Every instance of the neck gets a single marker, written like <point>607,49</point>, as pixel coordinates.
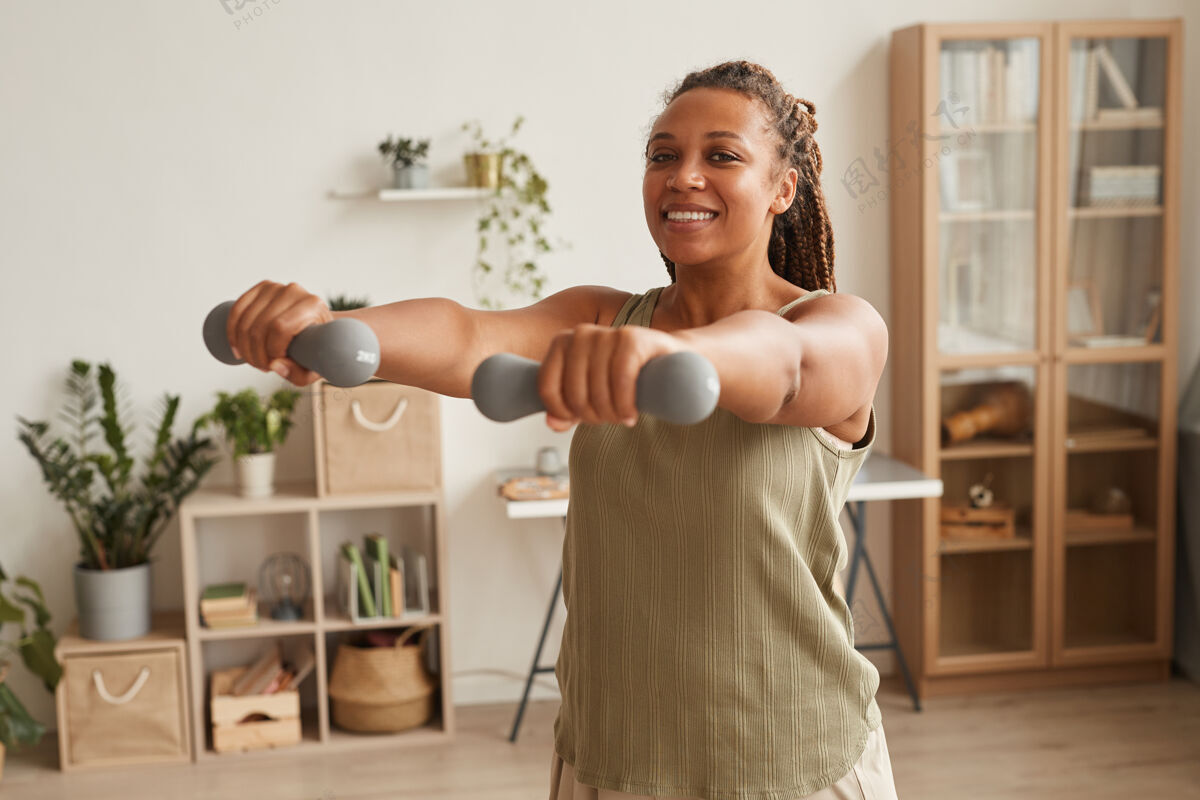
<point>703,294</point>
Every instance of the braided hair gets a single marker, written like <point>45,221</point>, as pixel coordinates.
<point>801,246</point>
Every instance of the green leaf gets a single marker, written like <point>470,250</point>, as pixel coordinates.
<point>37,651</point>
<point>16,726</point>
<point>10,612</point>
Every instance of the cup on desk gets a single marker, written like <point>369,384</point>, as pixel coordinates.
<point>548,461</point>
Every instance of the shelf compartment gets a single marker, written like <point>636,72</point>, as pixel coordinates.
<point>992,608</point>
<point>1113,406</point>
<point>1109,595</point>
<point>995,404</point>
<point>1092,477</point>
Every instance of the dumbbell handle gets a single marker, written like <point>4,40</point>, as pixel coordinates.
<point>344,352</point>
<point>679,387</point>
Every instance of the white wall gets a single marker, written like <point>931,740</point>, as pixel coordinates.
<point>156,159</point>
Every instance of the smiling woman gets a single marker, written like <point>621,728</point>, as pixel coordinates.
<point>708,650</point>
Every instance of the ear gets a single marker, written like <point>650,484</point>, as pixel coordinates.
<point>786,192</point>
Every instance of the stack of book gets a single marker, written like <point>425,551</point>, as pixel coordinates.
<point>376,583</point>
<point>228,605</point>
<point>271,674</point>
<point>1124,185</point>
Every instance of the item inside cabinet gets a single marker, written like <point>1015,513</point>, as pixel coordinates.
<point>964,522</point>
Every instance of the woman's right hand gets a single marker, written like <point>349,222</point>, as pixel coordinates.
<point>263,322</point>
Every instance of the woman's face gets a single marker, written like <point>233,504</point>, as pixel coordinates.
<point>712,184</point>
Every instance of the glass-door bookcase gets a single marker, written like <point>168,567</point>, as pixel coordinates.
<point>1115,348</point>
<point>1032,352</point>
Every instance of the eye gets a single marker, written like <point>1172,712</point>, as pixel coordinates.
<point>658,157</point>
<point>726,157</point>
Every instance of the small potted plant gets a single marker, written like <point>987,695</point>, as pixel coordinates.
<point>118,520</point>
<point>511,227</point>
<point>254,429</point>
<point>407,157</point>
<point>35,647</point>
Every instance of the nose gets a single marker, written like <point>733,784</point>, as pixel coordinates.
<point>686,175</point>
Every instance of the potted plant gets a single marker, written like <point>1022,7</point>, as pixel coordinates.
<point>254,429</point>
<point>511,225</point>
<point>117,518</point>
<point>407,157</point>
<point>35,647</point>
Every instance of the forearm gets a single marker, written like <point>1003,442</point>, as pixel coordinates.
<point>758,359</point>
<point>431,343</point>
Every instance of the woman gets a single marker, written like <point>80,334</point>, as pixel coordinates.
<point>708,651</point>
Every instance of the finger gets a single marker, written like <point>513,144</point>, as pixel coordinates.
<point>292,372</point>
<point>623,371</point>
<point>550,381</point>
<point>577,374</point>
<point>236,317</point>
<point>559,425</point>
<point>599,377</point>
<point>292,313</point>
<point>250,323</point>
<point>269,324</point>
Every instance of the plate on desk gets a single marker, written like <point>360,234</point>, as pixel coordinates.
<point>536,487</point>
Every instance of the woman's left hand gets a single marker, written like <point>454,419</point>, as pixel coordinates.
<point>590,373</point>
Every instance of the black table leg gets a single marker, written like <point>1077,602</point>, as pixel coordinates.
<point>857,514</point>
<point>537,656</point>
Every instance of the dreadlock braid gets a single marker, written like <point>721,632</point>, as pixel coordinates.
<point>801,245</point>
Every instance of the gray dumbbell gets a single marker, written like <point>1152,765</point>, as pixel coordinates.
<point>679,387</point>
<point>344,352</point>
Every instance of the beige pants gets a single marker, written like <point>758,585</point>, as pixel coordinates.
<point>869,779</point>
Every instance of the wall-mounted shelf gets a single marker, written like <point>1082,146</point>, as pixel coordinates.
<point>411,195</point>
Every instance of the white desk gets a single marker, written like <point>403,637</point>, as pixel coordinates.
<point>881,478</point>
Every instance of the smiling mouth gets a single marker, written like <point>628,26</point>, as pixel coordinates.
<point>688,220</point>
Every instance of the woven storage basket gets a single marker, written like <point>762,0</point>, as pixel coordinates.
<point>382,689</point>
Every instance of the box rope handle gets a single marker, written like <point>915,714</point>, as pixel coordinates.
<point>142,677</point>
<point>379,427</point>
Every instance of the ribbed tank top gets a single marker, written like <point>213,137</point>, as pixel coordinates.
<point>706,652</point>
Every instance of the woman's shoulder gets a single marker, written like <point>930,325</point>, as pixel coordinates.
<point>598,305</point>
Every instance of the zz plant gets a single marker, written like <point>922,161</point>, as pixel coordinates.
<point>34,646</point>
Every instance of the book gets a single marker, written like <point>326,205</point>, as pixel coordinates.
<point>258,675</point>
<point>365,601</point>
<point>376,547</point>
<point>396,586</point>
<point>220,596</point>
<point>417,581</point>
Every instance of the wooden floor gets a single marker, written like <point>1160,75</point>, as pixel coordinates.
<point>1125,742</point>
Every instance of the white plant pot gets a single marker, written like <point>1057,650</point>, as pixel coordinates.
<point>256,474</point>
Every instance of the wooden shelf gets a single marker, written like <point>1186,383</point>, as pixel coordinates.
<point>1082,537</point>
<point>1006,126</point>
<point>1117,125</point>
<point>414,195</point>
<point>1114,444</point>
<point>987,215</point>
<point>293,498</point>
<point>338,740</point>
<point>1104,212</point>
<point>952,547</point>
<point>987,448</point>
<point>335,620</point>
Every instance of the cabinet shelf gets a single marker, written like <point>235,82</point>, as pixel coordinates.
<point>1082,537</point>
<point>987,215</point>
<point>295,518</point>
<point>1104,212</point>
<point>987,448</point>
<point>1023,540</point>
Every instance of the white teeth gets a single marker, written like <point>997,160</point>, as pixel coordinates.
<point>686,216</point>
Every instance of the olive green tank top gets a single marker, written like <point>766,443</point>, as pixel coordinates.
<point>706,652</point>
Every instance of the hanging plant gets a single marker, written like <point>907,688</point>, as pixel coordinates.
<point>512,225</point>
